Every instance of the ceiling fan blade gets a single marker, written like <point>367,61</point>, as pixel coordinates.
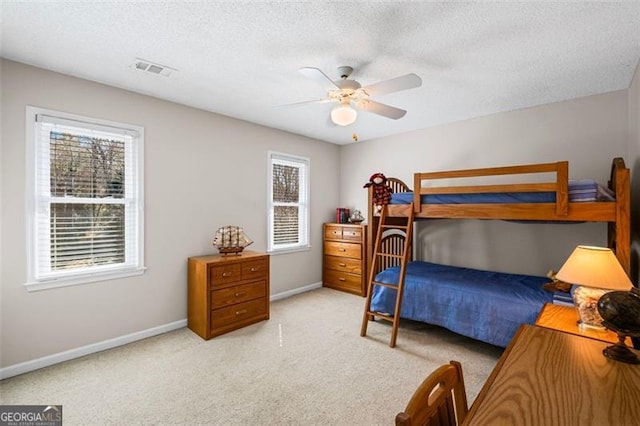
<point>404,82</point>
<point>316,101</point>
<point>330,122</point>
<point>319,77</point>
<point>381,109</point>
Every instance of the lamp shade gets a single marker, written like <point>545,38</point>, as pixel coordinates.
<point>343,115</point>
<point>594,267</point>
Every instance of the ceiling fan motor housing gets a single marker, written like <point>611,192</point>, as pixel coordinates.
<point>344,71</point>
<point>348,84</point>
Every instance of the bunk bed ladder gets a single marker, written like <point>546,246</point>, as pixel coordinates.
<point>378,254</point>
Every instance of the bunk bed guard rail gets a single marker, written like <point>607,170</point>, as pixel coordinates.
<point>560,186</point>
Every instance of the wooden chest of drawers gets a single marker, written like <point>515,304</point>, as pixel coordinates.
<point>344,263</point>
<point>227,292</point>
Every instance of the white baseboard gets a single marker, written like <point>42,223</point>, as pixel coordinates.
<point>295,291</point>
<point>25,367</point>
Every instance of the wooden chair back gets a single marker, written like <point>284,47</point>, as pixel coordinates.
<point>440,400</point>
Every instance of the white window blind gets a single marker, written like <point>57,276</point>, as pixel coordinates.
<point>288,202</point>
<point>86,200</point>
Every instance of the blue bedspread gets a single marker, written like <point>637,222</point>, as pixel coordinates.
<point>580,190</point>
<point>483,305</point>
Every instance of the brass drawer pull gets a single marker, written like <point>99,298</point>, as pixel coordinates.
<point>242,312</point>
<point>342,264</point>
<point>342,279</point>
<point>226,274</point>
<point>240,294</point>
<point>254,269</point>
<point>343,250</point>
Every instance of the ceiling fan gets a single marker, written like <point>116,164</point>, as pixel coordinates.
<point>349,93</point>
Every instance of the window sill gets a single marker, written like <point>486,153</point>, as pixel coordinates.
<point>82,279</point>
<point>288,250</point>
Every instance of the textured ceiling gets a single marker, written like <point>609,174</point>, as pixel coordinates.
<point>240,58</point>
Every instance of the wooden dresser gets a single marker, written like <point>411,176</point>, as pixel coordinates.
<point>227,292</point>
<point>344,263</point>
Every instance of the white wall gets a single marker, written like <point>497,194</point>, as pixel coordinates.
<point>202,171</point>
<point>588,132</point>
<point>634,164</point>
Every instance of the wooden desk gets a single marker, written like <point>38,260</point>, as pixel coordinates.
<point>547,377</point>
<point>565,318</point>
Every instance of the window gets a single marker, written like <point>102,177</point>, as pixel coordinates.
<point>288,202</point>
<point>84,199</point>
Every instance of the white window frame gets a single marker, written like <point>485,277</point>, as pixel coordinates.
<point>37,276</point>
<point>303,204</point>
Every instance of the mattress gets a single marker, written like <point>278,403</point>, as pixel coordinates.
<point>580,190</point>
<point>484,305</point>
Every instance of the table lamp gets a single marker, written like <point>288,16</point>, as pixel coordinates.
<point>596,271</point>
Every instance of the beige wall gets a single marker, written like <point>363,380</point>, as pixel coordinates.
<point>634,164</point>
<point>589,132</point>
<point>191,155</point>
<point>1,204</point>
<point>202,171</point>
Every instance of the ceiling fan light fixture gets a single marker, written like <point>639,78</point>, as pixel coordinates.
<point>343,115</point>
<point>346,91</point>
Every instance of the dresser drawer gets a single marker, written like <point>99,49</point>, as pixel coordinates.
<point>343,264</point>
<point>333,232</point>
<point>343,280</point>
<point>225,274</point>
<point>242,293</point>
<point>352,234</point>
<point>255,269</point>
<point>351,250</point>
<point>238,313</point>
<point>336,232</point>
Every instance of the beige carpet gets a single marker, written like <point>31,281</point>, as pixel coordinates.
<point>307,365</point>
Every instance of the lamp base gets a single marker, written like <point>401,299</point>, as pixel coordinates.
<point>591,327</point>
<point>585,300</point>
<point>621,353</point>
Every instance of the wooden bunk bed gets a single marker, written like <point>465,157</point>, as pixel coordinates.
<point>556,206</point>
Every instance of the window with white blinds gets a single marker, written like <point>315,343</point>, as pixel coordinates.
<point>288,202</point>
<point>85,200</point>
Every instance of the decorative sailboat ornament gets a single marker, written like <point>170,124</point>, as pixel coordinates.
<point>231,239</point>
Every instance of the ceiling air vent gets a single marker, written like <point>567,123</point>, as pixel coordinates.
<point>153,68</point>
